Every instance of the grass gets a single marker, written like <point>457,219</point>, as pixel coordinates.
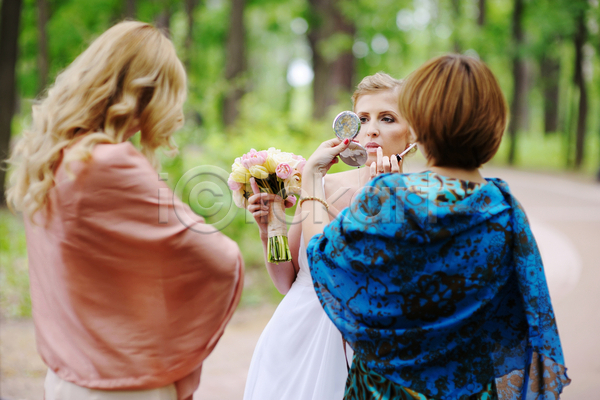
<point>14,277</point>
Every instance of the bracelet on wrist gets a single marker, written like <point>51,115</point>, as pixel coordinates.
<point>311,198</point>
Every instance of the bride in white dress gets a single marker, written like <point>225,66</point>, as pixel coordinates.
<point>300,354</point>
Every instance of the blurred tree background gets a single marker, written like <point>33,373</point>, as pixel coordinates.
<point>274,73</point>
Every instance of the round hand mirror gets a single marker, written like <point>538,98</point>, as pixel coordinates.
<point>346,125</point>
<point>355,155</point>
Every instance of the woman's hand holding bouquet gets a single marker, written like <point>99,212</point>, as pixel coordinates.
<point>266,182</point>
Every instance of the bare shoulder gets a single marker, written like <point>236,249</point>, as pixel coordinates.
<point>340,189</point>
<point>334,182</point>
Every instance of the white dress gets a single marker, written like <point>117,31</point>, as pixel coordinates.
<point>300,354</point>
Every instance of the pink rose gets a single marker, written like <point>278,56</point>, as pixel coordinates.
<point>283,171</point>
<point>254,157</point>
<point>300,166</point>
<point>233,185</point>
<point>290,201</point>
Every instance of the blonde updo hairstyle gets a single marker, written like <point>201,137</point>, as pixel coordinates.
<point>128,78</point>
<point>379,82</point>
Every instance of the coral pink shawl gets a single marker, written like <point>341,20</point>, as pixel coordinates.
<point>121,300</point>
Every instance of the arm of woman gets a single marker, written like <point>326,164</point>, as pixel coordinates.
<point>283,274</point>
<point>315,213</point>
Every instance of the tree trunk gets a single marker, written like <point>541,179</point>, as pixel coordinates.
<point>333,74</point>
<point>42,56</point>
<point>482,11</point>
<point>235,63</point>
<point>190,6</point>
<point>10,18</point>
<point>579,78</point>
<point>130,9</point>
<point>322,83</point>
<point>550,71</point>
<point>456,14</point>
<point>163,19</point>
<point>570,125</point>
<point>519,101</point>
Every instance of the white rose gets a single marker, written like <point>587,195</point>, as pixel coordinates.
<point>239,199</point>
<point>284,158</point>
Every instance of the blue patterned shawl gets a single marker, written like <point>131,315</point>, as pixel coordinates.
<point>438,285</point>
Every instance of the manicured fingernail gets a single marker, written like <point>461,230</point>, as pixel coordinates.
<point>346,141</point>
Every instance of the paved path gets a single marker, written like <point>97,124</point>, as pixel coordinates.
<point>565,218</point>
<point>22,371</point>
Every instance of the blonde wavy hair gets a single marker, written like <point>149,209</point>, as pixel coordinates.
<point>128,78</point>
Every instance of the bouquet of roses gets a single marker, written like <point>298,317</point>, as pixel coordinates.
<point>275,172</point>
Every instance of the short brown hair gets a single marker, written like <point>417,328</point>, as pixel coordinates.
<point>375,83</point>
<point>457,110</point>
